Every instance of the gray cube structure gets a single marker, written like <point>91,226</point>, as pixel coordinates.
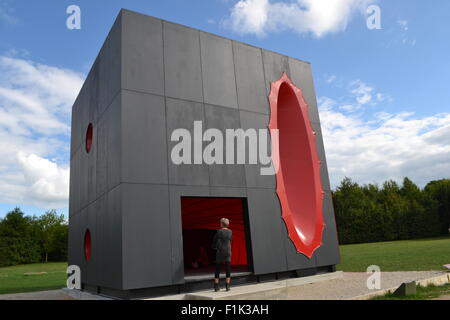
<point>140,224</point>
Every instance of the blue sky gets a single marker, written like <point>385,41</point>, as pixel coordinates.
<point>383,94</point>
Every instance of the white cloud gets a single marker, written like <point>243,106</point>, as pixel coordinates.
<point>358,96</point>
<point>35,105</point>
<point>47,182</point>
<point>318,17</point>
<point>362,92</point>
<point>385,146</point>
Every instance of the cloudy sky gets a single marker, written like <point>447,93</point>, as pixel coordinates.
<point>384,94</point>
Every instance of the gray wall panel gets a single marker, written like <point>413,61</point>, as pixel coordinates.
<point>181,114</point>
<point>91,272</point>
<point>176,228</point>
<point>74,201</point>
<point>71,190</point>
<point>84,178</point>
<point>146,217</point>
<point>142,59</point>
<point>92,168</point>
<point>110,67</point>
<point>251,88</point>
<point>295,260</point>
<point>113,118</point>
<point>225,175</point>
<point>79,244</point>
<point>93,99</point>
<point>100,245</point>
<point>144,150</point>
<point>274,66</point>
<point>75,243</point>
<point>219,84</point>
<point>328,254</point>
<point>80,118</point>
<point>254,179</point>
<point>267,242</point>
<point>112,240</point>
<point>75,131</point>
<point>183,76</point>
<point>301,75</point>
<point>226,192</point>
<point>102,158</point>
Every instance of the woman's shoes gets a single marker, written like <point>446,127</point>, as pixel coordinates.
<point>217,288</point>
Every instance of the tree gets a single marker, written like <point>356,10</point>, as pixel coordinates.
<point>51,230</point>
<point>17,242</point>
<point>439,192</point>
<point>370,214</point>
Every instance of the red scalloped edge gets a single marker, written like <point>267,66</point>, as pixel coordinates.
<point>306,245</point>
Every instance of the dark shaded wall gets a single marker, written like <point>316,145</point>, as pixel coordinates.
<point>150,78</point>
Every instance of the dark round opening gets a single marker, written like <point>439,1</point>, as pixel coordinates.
<point>89,137</point>
<point>87,245</point>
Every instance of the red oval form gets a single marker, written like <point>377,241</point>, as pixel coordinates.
<point>299,186</point>
<point>87,245</point>
<point>89,137</point>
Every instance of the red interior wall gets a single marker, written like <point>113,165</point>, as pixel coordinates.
<point>204,214</point>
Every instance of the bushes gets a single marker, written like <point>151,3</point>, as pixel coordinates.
<point>371,214</point>
<point>26,240</point>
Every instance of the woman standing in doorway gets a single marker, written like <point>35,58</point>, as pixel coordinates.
<point>222,245</point>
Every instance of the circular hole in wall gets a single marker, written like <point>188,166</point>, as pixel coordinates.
<point>89,137</point>
<point>87,245</point>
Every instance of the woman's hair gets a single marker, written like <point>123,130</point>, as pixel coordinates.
<point>224,222</point>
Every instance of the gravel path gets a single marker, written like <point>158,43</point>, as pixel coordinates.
<point>353,285</point>
<point>443,298</point>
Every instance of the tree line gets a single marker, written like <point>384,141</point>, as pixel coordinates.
<point>369,213</point>
<point>25,239</point>
<point>364,213</point>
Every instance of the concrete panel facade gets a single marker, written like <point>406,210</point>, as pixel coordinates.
<point>152,77</point>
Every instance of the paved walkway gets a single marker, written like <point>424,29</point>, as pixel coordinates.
<point>350,286</point>
<point>41,295</point>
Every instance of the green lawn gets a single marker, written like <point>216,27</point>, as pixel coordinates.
<point>33,277</point>
<point>410,255</point>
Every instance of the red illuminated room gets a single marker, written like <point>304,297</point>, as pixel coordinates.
<point>200,219</point>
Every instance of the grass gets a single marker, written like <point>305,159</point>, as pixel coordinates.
<point>423,293</point>
<point>410,255</point>
<point>33,277</point>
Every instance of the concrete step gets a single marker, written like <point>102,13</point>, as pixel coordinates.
<point>260,291</point>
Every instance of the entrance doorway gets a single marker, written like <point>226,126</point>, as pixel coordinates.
<point>200,220</point>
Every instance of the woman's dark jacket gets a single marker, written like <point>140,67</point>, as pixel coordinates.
<point>222,245</point>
